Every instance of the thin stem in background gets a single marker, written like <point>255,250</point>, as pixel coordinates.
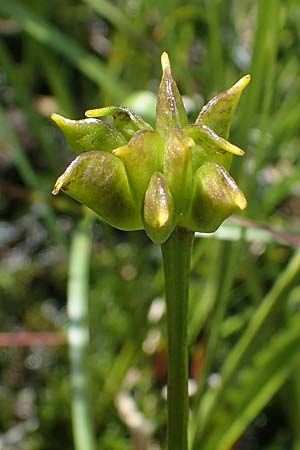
<point>78,335</point>
<point>177,262</point>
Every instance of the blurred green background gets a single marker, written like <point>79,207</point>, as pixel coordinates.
<point>67,56</point>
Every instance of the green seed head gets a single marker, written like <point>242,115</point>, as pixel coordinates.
<point>136,177</point>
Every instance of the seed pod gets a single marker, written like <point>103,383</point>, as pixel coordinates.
<point>99,181</point>
<point>218,112</point>
<point>86,135</point>
<point>158,215</point>
<point>215,196</point>
<point>170,112</point>
<point>177,168</point>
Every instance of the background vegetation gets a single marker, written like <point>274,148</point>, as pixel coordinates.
<point>67,56</point>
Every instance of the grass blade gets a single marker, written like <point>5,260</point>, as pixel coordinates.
<point>256,385</point>
<point>204,411</point>
<point>50,36</point>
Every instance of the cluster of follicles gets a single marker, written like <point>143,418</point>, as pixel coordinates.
<point>136,177</point>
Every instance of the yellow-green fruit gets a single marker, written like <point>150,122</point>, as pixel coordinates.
<point>136,177</point>
<point>99,181</point>
<point>215,197</point>
<point>177,168</point>
<point>158,210</point>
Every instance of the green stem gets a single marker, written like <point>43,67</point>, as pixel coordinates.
<point>78,334</point>
<point>177,262</point>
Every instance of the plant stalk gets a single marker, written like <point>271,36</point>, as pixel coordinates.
<point>78,335</point>
<point>177,263</point>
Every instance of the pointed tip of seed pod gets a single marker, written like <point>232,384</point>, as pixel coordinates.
<point>55,190</point>
<point>242,83</point>
<point>61,121</point>
<point>235,150</point>
<point>241,201</point>
<point>92,112</point>
<point>120,151</point>
<point>58,185</point>
<point>57,118</point>
<point>100,112</point>
<point>246,78</point>
<point>165,62</point>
